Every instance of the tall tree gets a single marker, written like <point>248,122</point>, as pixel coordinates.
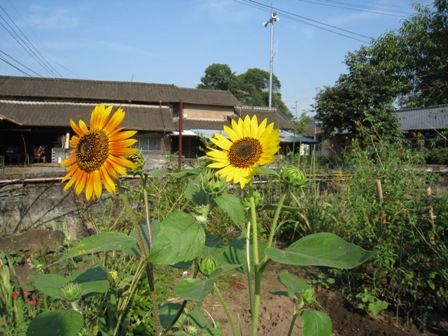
<point>217,76</point>
<point>403,68</point>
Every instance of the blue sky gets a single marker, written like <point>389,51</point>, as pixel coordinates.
<point>173,41</point>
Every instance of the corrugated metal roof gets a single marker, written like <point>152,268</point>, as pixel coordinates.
<point>109,91</point>
<point>138,117</point>
<point>434,117</point>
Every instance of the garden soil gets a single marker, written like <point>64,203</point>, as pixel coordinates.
<point>276,311</point>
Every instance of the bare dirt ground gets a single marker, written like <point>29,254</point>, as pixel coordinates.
<point>276,311</point>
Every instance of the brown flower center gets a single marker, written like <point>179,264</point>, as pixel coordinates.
<point>92,150</point>
<point>245,152</point>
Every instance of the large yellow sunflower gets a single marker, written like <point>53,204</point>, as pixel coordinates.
<point>97,153</point>
<point>248,146</point>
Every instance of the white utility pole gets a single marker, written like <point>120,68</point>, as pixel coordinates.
<point>274,18</point>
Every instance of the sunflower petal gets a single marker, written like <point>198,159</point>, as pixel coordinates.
<point>114,121</point>
<point>97,187</point>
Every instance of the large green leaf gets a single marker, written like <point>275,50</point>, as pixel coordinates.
<point>56,323</point>
<point>179,239</point>
<point>197,289</point>
<point>316,323</point>
<point>292,283</point>
<point>195,193</point>
<point>235,254</point>
<point>90,280</point>
<point>50,284</point>
<point>213,246</point>
<point>102,242</point>
<point>232,206</point>
<point>194,289</point>
<point>187,172</point>
<point>321,249</point>
<point>167,313</point>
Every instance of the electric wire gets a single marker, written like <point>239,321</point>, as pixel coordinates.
<point>311,22</point>
<point>29,52</point>
<point>20,63</point>
<point>388,8</point>
<point>40,55</point>
<point>365,10</point>
<point>15,67</point>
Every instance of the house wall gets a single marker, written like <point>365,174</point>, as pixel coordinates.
<point>207,112</point>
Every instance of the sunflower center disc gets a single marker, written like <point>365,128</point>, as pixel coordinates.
<point>92,150</point>
<point>245,152</point>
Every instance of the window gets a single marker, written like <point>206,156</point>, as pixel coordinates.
<point>148,142</point>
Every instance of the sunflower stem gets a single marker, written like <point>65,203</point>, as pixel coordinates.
<point>225,307</point>
<point>149,266</point>
<point>257,294</point>
<point>275,222</point>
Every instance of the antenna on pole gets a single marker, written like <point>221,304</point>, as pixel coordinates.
<point>274,18</point>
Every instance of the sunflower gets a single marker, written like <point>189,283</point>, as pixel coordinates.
<point>248,146</point>
<point>97,153</point>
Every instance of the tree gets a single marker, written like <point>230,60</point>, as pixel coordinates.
<point>250,87</point>
<point>406,68</point>
<point>217,76</point>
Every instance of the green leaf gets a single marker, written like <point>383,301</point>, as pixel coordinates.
<point>157,173</point>
<point>235,254</point>
<point>194,289</point>
<point>167,313</point>
<point>91,280</point>
<point>50,284</point>
<point>232,206</point>
<point>292,283</point>
<point>265,171</point>
<point>179,239</point>
<point>102,242</point>
<point>321,249</point>
<point>195,193</point>
<point>198,320</point>
<point>213,246</point>
<point>316,323</point>
<point>197,289</point>
<point>56,323</point>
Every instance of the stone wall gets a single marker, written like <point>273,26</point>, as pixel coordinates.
<point>25,206</point>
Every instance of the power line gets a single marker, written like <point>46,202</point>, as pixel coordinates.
<point>311,22</point>
<point>352,8</point>
<point>389,8</point>
<point>41,56</point>
<point>15,67</point>
<point>20,63</point>
<point>23,45</point>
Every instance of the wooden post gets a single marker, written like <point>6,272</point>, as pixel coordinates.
<point>181,126</point>
<point>432,217</point>
<point>380,196</point>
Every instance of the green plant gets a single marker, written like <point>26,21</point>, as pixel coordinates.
<point>370,303</point>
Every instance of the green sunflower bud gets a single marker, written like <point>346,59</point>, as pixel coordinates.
<point>258,200</point>
<point>208,265</point>
<point>212,185</point>
<point>71,292</point>
<point>293,176</point>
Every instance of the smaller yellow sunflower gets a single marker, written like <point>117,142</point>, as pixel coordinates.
<point>97,155</point>
<point>248,146</point>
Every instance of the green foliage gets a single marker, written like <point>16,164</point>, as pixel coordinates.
<point>168,248</point>
<point>217,76</point>
<point>437,155</point>
<point>321,249</point>
<point>56,323</point>
<point>370,303</point>
<point>316,323</point>
<point>250,87</point>
<point>408,66</point>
